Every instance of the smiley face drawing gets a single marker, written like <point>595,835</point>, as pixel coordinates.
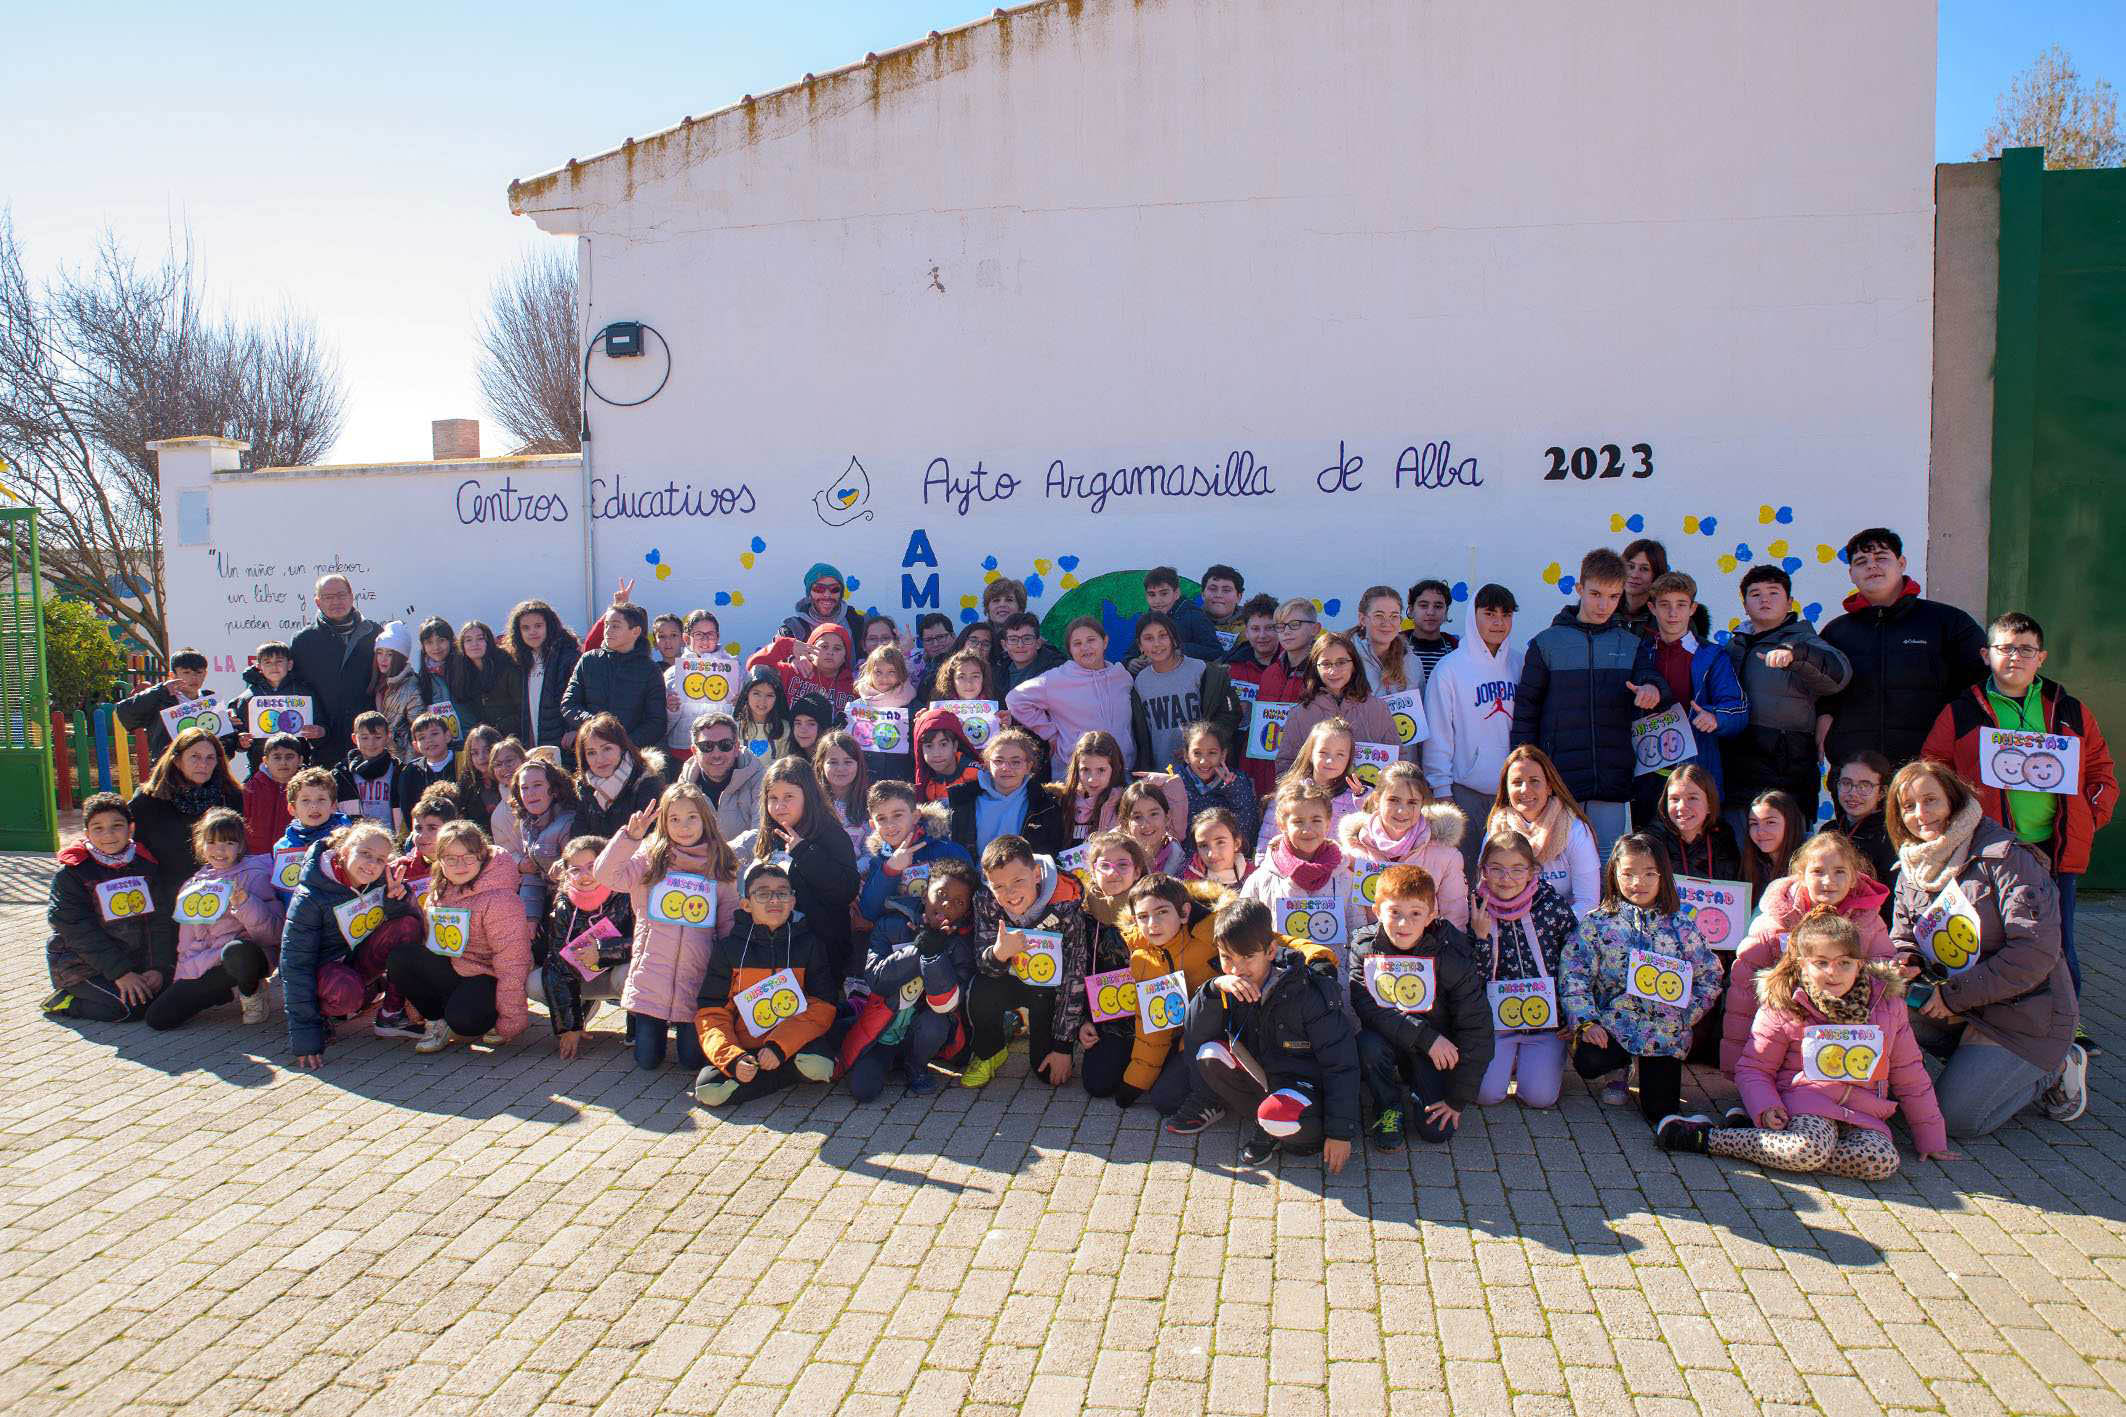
<point>1296,922</point>
<point>1117,999</point>
<point>785,1002</point>
<point>2044,771</point>
<point>1955,942</point>
<point>1513,1010</point>
<point>697,909</point>
<point>843,499</point>
<point>1648,751</point>
<point>1321,926</point>
<point>1165,1011</point>
<point>2010,765</point>
<point>1859,1062</point>
<point>1669,986</point>
<point>1535,1011</point>
<point>1405,728</point>
<point>450,939</point>
<point>1671,745</point>
<point>1410,991</point>
<point>1648,978</point>
<point>763,1015</point>
<point>1369,887</point>
<point>1038,969</point>
<point>1712,925</point>
<point>1830,1060</point>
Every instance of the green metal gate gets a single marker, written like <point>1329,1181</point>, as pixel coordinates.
<point>28,820</point>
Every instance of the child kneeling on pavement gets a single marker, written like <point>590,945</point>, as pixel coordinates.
<point>767,1002</point>
<point>1272,1042</point>
<point>918,989</point>
<point>1425,1036</point>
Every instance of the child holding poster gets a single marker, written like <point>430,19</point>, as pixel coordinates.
<point>1401,826</point>
<point>1828,874</point>
<point>886,734</point>
<point>313,813</point>
<point>680,878</point>
<point>144,710</point>
<point>702,681</point>
<point>465,977</point>
<point>945,755</point>
<point>907,838</point>
<point>1634,980</point>
<point>1830,1059</point>
<point>1036,943</point>
<point>271,675</point>
<point>1425,1038</point>
<point>1327,757</point>
<point>1114,863</point>
<point>1302,874</point>
<point>918,988</point>
<point>767,1000</point>
<point>2029,788</point>
<point>1697,674</point>
<point>585,944</point>
<point>228,928</point>
<point>1169,933</point>
<point>1523,925</point>
<point>109,954</point>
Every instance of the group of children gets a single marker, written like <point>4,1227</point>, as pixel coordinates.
<point>1367,932</point>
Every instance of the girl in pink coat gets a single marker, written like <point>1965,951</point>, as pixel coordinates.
<point>228,927</point>
<point>1831,1058</point>
<point>1400,827</point>
<point>466,978</point>
<point>1828,871</point>
<point>682,880</point>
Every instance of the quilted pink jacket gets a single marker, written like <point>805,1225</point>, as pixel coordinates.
<point>258,919</point>
<point>1785,902</point>
<point>1770,1071</point>
<point>499,942</point>
<point>664,977</point>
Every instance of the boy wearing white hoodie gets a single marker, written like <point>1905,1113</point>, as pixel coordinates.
<point>1469,706</point>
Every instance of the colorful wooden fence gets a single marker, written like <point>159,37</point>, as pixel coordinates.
<point>92,752</point>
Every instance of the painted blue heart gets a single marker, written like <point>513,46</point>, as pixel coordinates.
<point>1811,610</point>
<point>1720,637</point>
<point>1068,563</point>
<point>1742,551</point>
<point>1330,607</point>
<point>1791,564</point>
<point>1034,586</point>
<point>989,563</point>
<point>1635,522</point>
<point>1708,525</point>
<point>723,597</point>
<point>652,557</point>
<point>1784,516</point>
<point>853,583</point>
<point>1461,590</point>
<point>759,546</point>
<point>1565,584</point>
<point>967,616</point>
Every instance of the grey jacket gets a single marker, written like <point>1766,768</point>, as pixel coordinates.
<point>1784,700</point>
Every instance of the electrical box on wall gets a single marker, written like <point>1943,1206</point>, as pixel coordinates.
<point>623,339</point>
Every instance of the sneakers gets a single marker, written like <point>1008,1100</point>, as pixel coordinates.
<point>716,1090</point>
<point>253,1005</point>
<point>1737,1116</point>
<point>1617,1091</point>
<point>435,1037</point>
<point>1195,1115</point>
<point>1388,1130</point>
<point>1676,1132</point>
<point>491,1039</point>
<point>2068,1097</point>
<point>395,1025</point>
<point>2088,1045</point>
<point>1259,1149</point>
<point>980,1070</point>
<point>923,1083</point>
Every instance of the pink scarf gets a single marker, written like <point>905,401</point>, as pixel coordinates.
<point>1309,873</point>
<point>1382,847</point>
<point>1511,907</point>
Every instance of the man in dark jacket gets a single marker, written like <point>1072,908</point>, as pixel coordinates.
<point>1785,667</point>
<point>823,603</point>
<point>1576,699</point>
<point>621,677</point>
<point>187,681</point>
<point>1437,1049</point>
<point>1910,656</point>
<point>336,657</point>
<point>1272,1043</point>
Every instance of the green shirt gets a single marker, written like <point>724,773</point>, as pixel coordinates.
<point>2031,813</point>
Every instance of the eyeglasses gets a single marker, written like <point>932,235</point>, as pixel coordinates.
<point>1022,638</point>
<point>459,859</point>
<point>772,897</point>
<point>1342,663</point>
<point>2017,651</point>
<point>1286,627</point>
<point>1506,873</point>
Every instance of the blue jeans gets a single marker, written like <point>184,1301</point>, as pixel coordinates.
<point>928,1032</point>
<point>1980,1085</point>
<point>1610,821</point>
<point>649,1035</point>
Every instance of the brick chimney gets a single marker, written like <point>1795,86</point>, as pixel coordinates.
<point>455,438</point>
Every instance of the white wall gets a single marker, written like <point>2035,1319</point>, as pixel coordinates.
<point>1116,234</point>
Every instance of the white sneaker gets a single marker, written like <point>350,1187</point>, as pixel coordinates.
<point>253,1005</point>
<point>2068,1097</point>
<point>435,1037</point>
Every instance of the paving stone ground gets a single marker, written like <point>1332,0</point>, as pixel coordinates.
<point>187,1224</point>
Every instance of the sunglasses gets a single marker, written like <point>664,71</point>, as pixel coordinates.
<point>721,745</point>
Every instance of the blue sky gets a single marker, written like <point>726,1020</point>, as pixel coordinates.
<point>354,160</point>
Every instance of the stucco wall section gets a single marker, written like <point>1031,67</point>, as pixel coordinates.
<point>1966,300</point>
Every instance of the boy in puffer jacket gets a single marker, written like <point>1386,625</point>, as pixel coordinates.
<point>1433,1059</point>
<point>1831,1059</point>
<point>912,1016</point>
<point>227,942</point>
<point>1028,898</point>
<point>907,839</point>
<point>767,1003</point>
<point>1272,1041</point>
<point>107,958</point>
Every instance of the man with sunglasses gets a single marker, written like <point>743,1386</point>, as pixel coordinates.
<point>823,603</point>
<point>729,776</point>
<point>2059,824</point>
<point>1910,656</point>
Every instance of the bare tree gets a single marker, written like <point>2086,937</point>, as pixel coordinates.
<point>102,360</point>
<point>530,361</point>
<point>2049,106</point>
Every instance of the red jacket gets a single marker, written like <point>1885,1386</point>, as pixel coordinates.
<point>266,813</point>
<point>1954,740</point>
